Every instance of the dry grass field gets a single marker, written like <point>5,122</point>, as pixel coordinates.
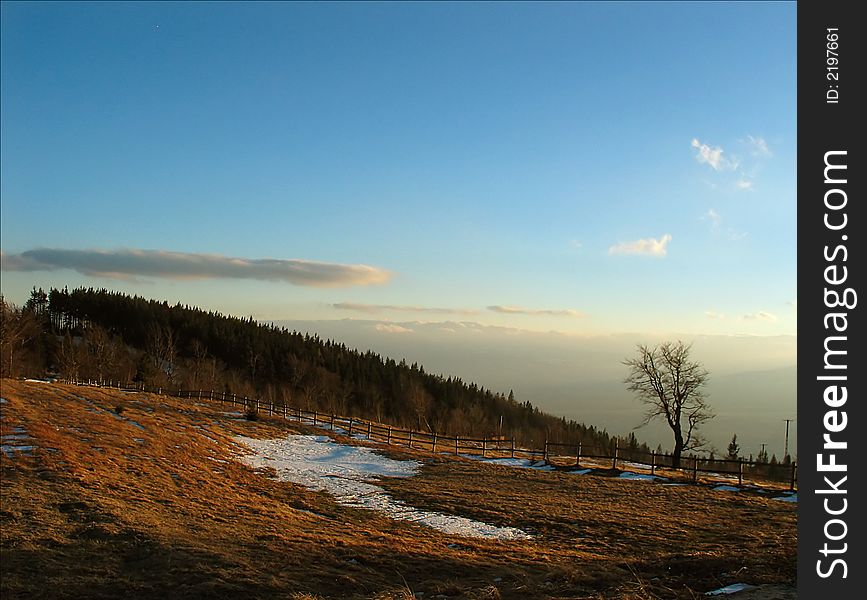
<point>142,496</point>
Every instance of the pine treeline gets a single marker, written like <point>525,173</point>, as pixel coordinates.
<point>102,334</point>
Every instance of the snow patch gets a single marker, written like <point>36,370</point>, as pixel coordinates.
<point>730,589</point>
<point>726,488</point>
<point>318,463</point>
<point>10,451</point>
<point>523,463</point>
<point>640,477</point>
<point>787,498</point>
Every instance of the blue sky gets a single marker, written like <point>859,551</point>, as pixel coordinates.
<point>475,155</point>
<point>513,193</point>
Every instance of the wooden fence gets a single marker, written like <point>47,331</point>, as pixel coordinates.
<point>494,447</point>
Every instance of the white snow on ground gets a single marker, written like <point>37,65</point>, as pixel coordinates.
<point>319,463</point>
<point>787,498</point>
<point>523,463</point>
<point>640,477</point>
<point>18,434</point>
<point>726,488</point>
<point>581,471</point>
<point>3,401</point>
<point>632,465</point>
<point>730,589</point>
<point>10,451</point>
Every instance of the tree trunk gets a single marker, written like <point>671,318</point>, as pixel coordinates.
<point>678,449</point>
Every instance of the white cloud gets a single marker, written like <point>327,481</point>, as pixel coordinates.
<point>760,316</point>
<point>379,308</point>
<point>649,246</point>
<point>519,310</point>
<point>759,145</point>
<point>712,314</point>
<point>131,263</point>
<point>713,157</point>
<point>392,328</point>
<point>744,184</point>
<point>714,218</point>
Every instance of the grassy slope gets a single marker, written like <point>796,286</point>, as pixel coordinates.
<point>102,508</point>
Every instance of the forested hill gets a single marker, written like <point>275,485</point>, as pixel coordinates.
<point>102,334</point>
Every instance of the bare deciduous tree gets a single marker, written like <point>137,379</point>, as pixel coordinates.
<point>670,384</point>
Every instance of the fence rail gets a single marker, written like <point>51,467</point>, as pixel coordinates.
<point>552,453</point>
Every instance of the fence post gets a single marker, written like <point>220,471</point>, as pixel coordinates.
<point>694,469</point>
<point>653,463</point>
<point>298,414</point>
<point>794,475</point>
<point>332,421</point>
<point>434,446</point>
<point>233,399</point>
<point>545,452</point>
<point>484,447</point>
<point>513,447</point>
<point>388,439</point>
<point>578,455</point>
<point>350,426</point>
<point>616,448</point>
<point>740,471</point>
<point>368,430</point>
<point>456,444</point>
<point>314,418</point>
<point>410,438</point>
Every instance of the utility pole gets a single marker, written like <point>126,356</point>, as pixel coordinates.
<point>786,452</point>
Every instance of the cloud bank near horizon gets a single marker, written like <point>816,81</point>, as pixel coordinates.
<point>132,263</point>
<point>379,308</point>
<point>520,310</point>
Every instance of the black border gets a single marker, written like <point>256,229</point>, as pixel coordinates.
<point>824,127</point>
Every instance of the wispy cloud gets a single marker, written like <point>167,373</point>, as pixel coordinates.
<point>759,146</point>
<point>649,246</point>
<point>380,308</point>
<point>520,310</point>
<point>744,184</point>
<point>713,217</point>
<point>760,316</point>
<point>712,314</point>
<point>392,328</point>
<point>128,263</point>
<point>716,226</point>
<point>713,156</point>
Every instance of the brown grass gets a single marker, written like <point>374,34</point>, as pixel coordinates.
<point>102,509</point>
